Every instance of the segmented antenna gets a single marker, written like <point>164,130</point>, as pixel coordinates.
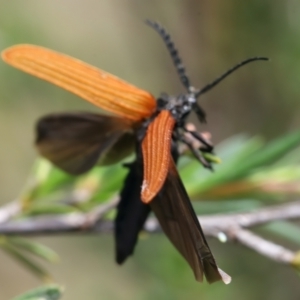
<point>180,67</point>
<point>223,76</point>
<point>173,52</point>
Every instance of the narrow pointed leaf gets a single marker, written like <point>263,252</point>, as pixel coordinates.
<point>27,262</point>
<point>49,292</point>
<point>34,248</point>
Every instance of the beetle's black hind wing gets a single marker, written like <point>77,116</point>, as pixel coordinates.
<point>178,220</point>
<point>131,213</point>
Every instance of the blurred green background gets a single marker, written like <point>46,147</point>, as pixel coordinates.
<point>212,36</point>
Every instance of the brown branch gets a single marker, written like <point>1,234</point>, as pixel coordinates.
<point>264,247</point>
<point>8,211</point>
<point>225,227</point>
<point>260,216</point>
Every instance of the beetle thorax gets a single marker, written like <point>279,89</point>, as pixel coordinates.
<point>180,106</point>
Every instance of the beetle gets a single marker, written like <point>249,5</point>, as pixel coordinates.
<point>75,142</point>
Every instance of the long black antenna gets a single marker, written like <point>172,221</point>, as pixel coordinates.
<point>173,52</point>
<point>223,76</point>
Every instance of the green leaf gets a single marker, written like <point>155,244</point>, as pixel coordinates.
<point>296,262</point>
<point>27,262</point>
<point>250,157</point>
<point>276,149</point>
<point>111,183</point>
<point>284,229</point>
<point>34,248</point>
<point>43,180</point>
<point>226,206</point>
<point>48,208</point>
<point>266,155</point>
<point>198,180</point>
<point>212,158</point>
<point>49,292</point>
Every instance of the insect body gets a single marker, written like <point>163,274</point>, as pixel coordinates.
<point>75,142</point>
